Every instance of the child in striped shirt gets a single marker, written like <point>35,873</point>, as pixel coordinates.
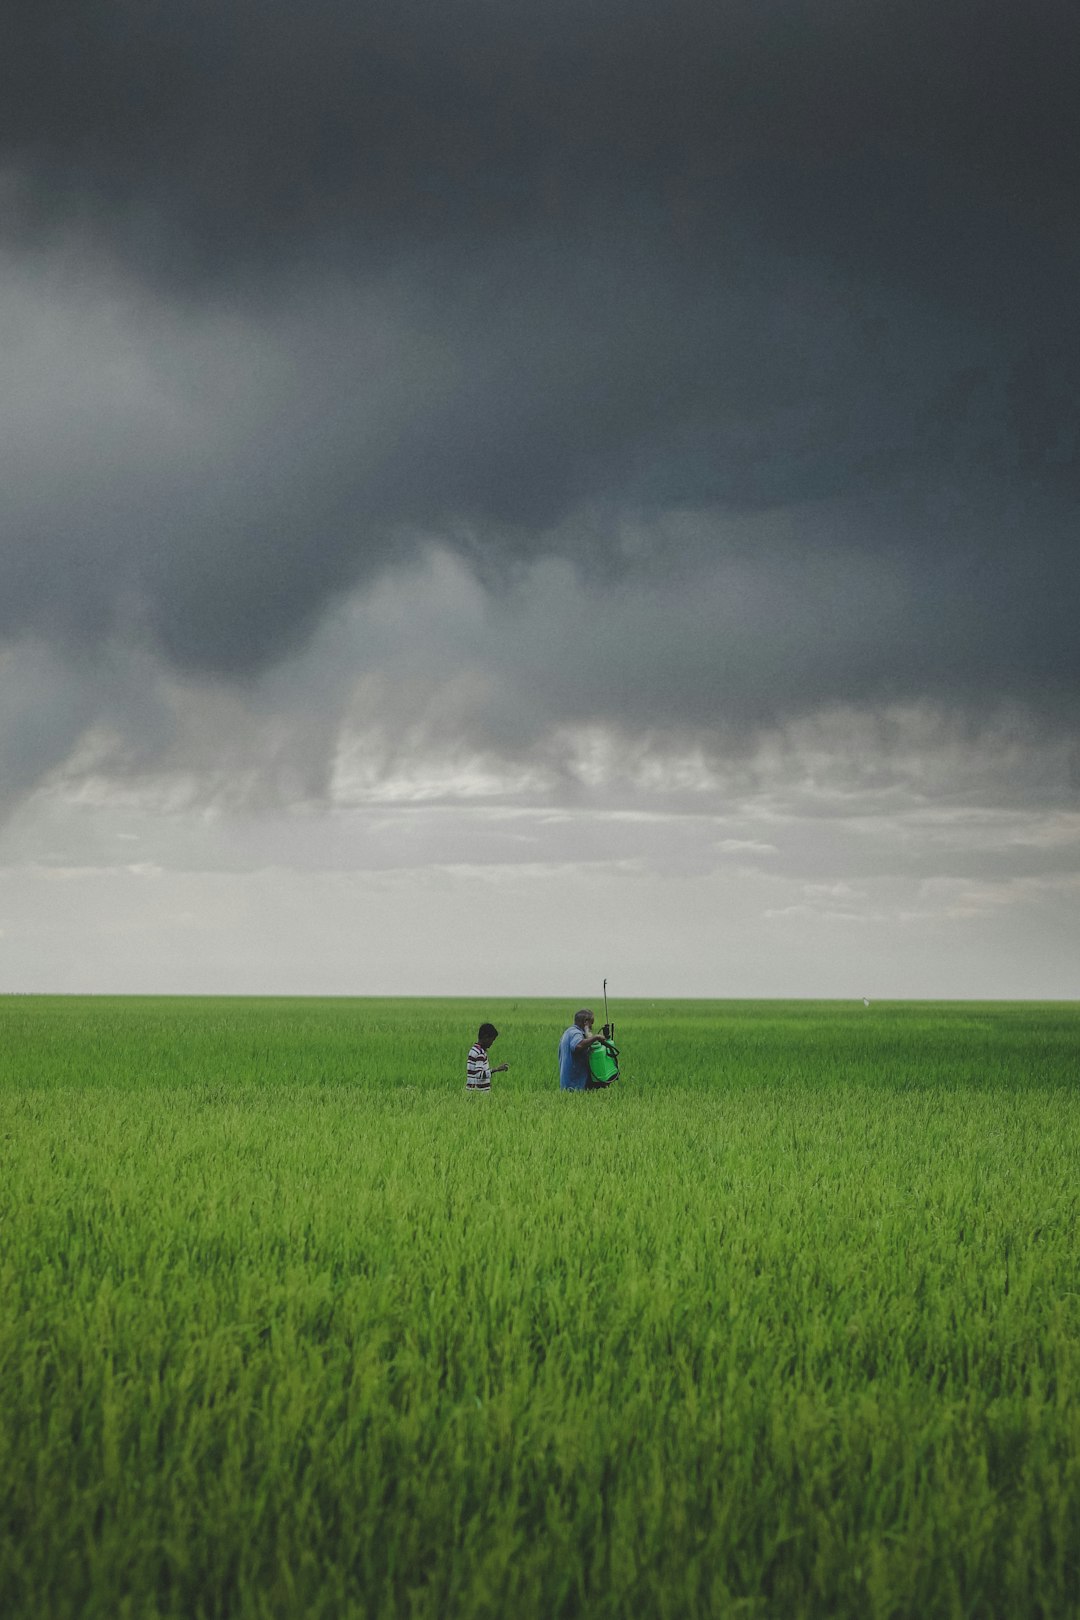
<point>478,1071</point>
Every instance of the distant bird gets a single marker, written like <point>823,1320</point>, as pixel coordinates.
<point>865,1002</point>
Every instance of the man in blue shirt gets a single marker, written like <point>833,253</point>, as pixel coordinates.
<point>574,1053</point>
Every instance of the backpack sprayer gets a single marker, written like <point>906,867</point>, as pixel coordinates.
<point>604,1054</point>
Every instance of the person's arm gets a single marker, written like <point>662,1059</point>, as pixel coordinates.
<point>582,1045</point>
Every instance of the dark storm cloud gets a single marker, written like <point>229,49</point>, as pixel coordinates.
<point>337,277</point>
<point>255,121</point>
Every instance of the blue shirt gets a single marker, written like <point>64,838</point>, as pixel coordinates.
<point>573,1063</point>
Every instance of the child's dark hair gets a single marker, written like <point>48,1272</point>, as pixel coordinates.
<point>487,1034</point>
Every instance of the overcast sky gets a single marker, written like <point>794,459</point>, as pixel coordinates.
<point>495,495</point>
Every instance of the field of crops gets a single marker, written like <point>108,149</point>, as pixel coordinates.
<point>787,1323</point>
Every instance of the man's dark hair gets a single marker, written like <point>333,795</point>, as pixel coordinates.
<point>487,1034</point>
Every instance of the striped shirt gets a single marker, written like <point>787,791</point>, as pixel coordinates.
<point>477,1071</point>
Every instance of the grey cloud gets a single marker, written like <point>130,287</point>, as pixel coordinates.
<point>49,706</point>
<point>43,714</point>
<point>732,680</point>
<point>761,316</point>
<point>251,124</point>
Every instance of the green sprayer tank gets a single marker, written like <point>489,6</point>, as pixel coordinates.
<point>603,1063</point>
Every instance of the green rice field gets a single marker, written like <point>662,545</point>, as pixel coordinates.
<point>786,1323</point>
